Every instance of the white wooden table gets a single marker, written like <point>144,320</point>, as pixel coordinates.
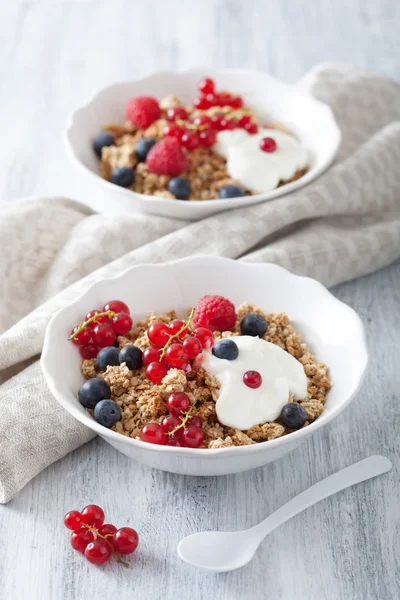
<point>54,54</point>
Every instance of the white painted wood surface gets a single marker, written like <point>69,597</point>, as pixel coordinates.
<point>54,55</point>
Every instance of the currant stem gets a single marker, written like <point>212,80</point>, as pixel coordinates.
<point>184,419</point>
<point>176,335</point>
<point>96,534</point>
<point>108,313</point>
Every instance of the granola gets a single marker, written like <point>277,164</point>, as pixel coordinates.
<point>216,147</point>
<point>142,401</point>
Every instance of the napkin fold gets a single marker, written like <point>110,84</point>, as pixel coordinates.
<point>343,225</point>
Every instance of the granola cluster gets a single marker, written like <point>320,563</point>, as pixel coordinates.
<point>142,401</point>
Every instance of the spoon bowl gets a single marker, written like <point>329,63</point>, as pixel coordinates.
<point>218,551</point>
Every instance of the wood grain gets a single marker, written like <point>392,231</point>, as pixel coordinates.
<point>55,54</point>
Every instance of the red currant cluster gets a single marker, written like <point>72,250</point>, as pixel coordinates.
<point>210,97</point>
<point>174,346</point>
<point>202,130</point>
<point>97,540</point>
<point>101,327</point>
<point>178,428</point>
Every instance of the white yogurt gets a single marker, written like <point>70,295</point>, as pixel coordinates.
<point>257,170</point>
<point>242,407</point>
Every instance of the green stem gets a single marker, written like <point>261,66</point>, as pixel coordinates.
<point>96,534</point>
<point>84,324</point>
<point>176,335</point>
<point>184,420</point>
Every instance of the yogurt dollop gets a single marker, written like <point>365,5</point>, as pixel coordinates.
<point>257,170</point>
<point>242,407</point>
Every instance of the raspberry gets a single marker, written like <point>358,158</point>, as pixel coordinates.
<point>214,312</point>
<point>167,158</point>
<point>142,111</point>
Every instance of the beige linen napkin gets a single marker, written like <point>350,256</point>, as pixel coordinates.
<point>345,224</point>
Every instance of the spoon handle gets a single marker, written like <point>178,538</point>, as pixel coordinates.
<point>360,471</point>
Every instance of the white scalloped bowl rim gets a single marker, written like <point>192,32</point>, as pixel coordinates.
<point>320,127</point>
<point>64,320</point>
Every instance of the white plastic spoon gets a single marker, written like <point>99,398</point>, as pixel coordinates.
<point>219,551</point>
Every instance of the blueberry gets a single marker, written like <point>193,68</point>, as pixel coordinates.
<point>123,176</point>
<point>101,140</point>
<point>107,413</point>
<point>92,391</point>
<point>144,146</point>
<point>108,357</point>
<point>180,188</point>
<point>254,324</point>
<point>230,191</point>
<point>293,415</point>
<point>132,356</point>
<point>225,349</point>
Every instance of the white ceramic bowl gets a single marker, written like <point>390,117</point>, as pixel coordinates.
<point>333,330</point>
<point>312,121</point>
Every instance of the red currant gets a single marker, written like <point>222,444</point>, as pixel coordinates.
<point>251,128</point>
<point>205,337</point>
<point>117,306</point>
<point>178,403</point>
<point>194,422</point>
<point>93,515</point>
<point>150,355</point>
<point>152,433</point>
<point>156,371</point>
<point>82,338</point>
<point>158,333</point>
<point>73,520</point>
<point>176,355</point>
<point>104,335</point>
<point>224,99</point>
<point>93,313</point>
<point>98,552</point>
<point>173,130</point>
<point>201,103</point>
<point>89,351</point>
<point>268,144</point>
<point>216,121</point>
<point>207,138</point>
<point>173,441</point>
<point>170,422</point>
<point>252,379</point>
<point>244,120</point>
<point>176,326</point>
<point>126,540</point>
<point>236,102</point>
<point>203,121</point>
<point>190,141</point>
<point>193,437</point>
<point>228,124</point>
<point>80,539</point>
<point>121,323</point>
<point>192,346</point>
<point>107,529</point>
<point>177,112</point>
<point>206,86</point>
<point>213,99</point>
